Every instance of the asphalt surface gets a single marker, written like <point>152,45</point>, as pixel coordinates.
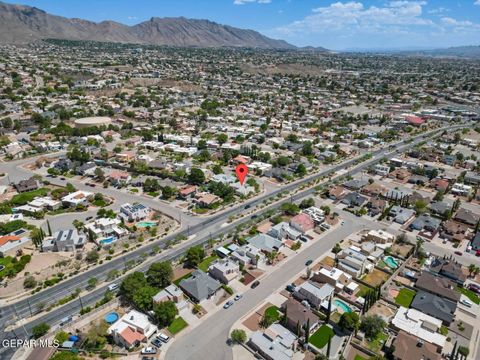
<point>203,228</point>
<point>209,339</point>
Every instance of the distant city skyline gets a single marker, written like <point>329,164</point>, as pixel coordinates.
<point>336,25</point>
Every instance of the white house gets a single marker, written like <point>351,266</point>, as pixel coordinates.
<point>132,329</point>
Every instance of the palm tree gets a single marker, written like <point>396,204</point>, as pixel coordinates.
<point>471,269</point>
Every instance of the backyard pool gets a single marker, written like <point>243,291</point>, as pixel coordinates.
<point>145,224</point>
<point>342,305</point>
<point>108,240</point>
<point>110,318</point>
<point>391,262</point>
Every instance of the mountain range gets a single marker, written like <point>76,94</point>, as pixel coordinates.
<point>21,24</point>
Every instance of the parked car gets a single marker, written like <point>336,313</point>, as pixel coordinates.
<point>164,338</point>
<point>303,238</point>
<point>228,304</point>
<point>149,350</point>
<point>459,253</point>
<point>474,288</point>
<point>290,288</point>
<point>157,343</point>
<point>113,287</point>
<point>477,253</point>
<point>238,297</point>
<point>255,284</point>
<point>309,262</point>
<point>466,302</point>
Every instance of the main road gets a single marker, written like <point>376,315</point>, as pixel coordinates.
<point>203,230</point>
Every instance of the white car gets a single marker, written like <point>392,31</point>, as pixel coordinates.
<point>149,350</point>
<point>466,302</point>
<point>163,337</point>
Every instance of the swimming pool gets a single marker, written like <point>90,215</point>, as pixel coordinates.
<point>108,240</point>
<point>340,304</point>
<point>111,317</point>
<point>144,224</point>
<point>390,261</point>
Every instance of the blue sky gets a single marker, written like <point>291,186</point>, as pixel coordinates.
<point>337,24</point>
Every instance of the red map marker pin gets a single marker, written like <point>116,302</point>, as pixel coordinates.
<point>241,171</point>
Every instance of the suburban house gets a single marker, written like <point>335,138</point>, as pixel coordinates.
<point>354,199</point>
<point>450,269</point>
<point>339,279</point>
<point>317,295</point>
<point>467,217</point>
<point>27,185</point>
<point>265,242</point>
<point>76,198</point>
<point>421,325</point>
<point>284,231</point>
<point>105,227</point>
<point>205,199</point>
<point>299,314</point>
<point>337,193</point>
<point>401,215</point>
<point>275,343</point>
<point>380,237</point>
<point>9,242</point>
<point>200,286</point>
<point>224,270</point>
<point>352,261</point>
<point>171,293</point>
<point>435,306</point>
<point>132,329</point>
<point>187,192</point>
<point>302,222</point>
<point>119,178</point>
<point>135,212</point>
<point>409,346</point>
<point>247,254</point>
<point>437,285</point>
<point>64,240</point>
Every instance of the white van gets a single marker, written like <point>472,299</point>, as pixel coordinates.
<point>113,287</point>
<point>163,337</point>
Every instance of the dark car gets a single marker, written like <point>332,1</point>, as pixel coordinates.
<point>303,238</point>
<point>459,253</point>
<point>157,343</point>
<point>474,288</point>
<point>255,284</point>
<point>247,206</point>
<point>309,262</point>
<point>290,288</point>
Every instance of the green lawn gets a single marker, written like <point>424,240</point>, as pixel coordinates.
<point>363,290</point>
<point>272,313</point>
<point>26,197</point>
<point>470,294</point>
<point>376,345</point>
<point>405,297</point>
<point>320,337</point>
<point>177,325</point>
<point>358,357</point>
<point>206,262</point>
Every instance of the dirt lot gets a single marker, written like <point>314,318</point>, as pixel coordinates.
<point>401,249</point>
<point>381,309</point>
<point>375,277</point>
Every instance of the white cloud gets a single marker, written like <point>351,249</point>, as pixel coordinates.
<point>243,2</point>
<point>460,24</point>
<point>355,16</point>
<point>477,2</point>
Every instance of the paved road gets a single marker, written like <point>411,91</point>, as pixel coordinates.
<point>208,340</point>
<point>203,231</point>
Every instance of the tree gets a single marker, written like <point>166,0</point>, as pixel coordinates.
<point>307,203</point>
<point>301,170</point>
<point>143,298</point>
<point>168,192</point>
<point>160,274</point>
<point>92,282</point>
<point>29,282</point>
<point>49,228</point>
<point>92,256</point>
<point>464,351</point>
<point>337,248</point>
<point>194,256</point>
<point>196,176</point>
<point>40,330</point>
<point>307,331</point>
<point>165,312</point>
<point>222,138</point>
<point>96,337</point>
<point>131,284</point>
<point>349,321</point>
<point>238,336</point>
<point>372,326</point>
